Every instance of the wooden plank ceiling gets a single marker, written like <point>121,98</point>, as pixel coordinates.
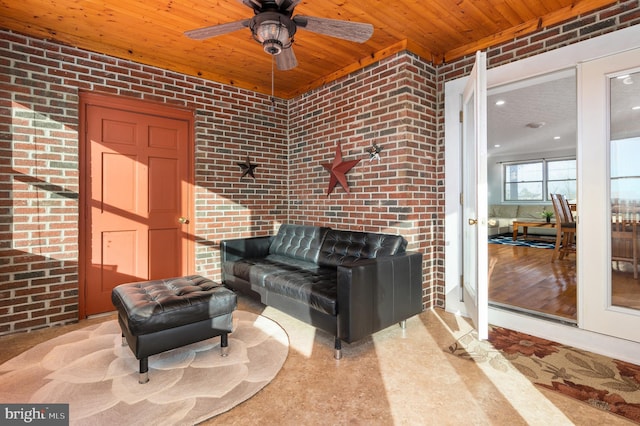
<point>152,32</point>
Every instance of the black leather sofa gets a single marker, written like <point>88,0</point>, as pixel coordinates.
<point>349,284</point>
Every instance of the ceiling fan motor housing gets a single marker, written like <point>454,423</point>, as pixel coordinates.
<point>273,30</point>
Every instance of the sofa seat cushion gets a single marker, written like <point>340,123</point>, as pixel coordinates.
<point>294,278</point>
<point>254,270</point>
<point>316,288</point>
<point>343,247</point>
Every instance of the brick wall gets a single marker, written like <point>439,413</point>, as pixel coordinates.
<point>391,104</point>
<point>40,84</point>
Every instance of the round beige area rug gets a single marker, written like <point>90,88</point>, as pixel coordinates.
<point>98,377</point>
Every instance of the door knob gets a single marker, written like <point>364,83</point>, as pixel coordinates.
<point>473,221</point>
<point>183,220</point>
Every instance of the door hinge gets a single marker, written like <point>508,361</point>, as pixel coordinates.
<point>461,115</point>
<point>461,198</point>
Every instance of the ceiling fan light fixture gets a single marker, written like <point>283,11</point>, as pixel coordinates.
<point>273,31</point>
<point>273,36</point>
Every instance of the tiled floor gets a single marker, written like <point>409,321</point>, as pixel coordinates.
<point>400,377</point>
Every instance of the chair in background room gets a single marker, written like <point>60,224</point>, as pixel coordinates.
<point>565,227</point>
<point>624,241</point>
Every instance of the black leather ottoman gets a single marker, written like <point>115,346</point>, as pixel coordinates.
<point>159,315</point>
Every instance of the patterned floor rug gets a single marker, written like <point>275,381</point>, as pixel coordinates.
<point>90,370</point>
<point>508,240</point>
<point>602,382</point>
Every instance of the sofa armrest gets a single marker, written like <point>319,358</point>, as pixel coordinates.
<point>376,293</point>
<point>245,248</point>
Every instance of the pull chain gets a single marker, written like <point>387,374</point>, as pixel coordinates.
<point>273,98</point>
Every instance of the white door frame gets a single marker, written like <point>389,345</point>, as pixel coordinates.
<point>562,58</point>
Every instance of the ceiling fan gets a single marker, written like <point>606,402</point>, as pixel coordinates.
<point>274,25</point>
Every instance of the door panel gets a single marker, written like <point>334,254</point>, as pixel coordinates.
<point>118,132</point>
<point>112,188</point>
<point>119,250</point>
<point>163,263</point>
<point>137,191</point>
<point>164,184</point>
<point>474,180</point>
<point>609,120</point>
<point>160,137</point>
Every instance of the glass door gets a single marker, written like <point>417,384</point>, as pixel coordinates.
<point>474,195</point>
<point>531,152</point>
<point>611,131</point>
<point>624,188</point>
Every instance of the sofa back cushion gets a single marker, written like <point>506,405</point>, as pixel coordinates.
<point>503,210</point>
<point>346,247</point>
<point>532,211</point>
<point>299,241</point>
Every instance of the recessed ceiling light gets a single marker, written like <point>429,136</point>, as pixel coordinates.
<point>556,137</point>
<point>500,102</point>
<point>497,145</point>
<point>636,108</point>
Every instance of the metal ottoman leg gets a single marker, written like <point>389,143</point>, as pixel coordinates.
<point>224,344</point>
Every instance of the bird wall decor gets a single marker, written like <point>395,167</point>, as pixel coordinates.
<point>374,152</point>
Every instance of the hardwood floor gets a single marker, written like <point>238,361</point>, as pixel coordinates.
<point>525,279</point>
<point>626,289</point>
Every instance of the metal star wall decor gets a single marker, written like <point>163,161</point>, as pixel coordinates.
<point>247,168</point>
<point>338,170</point>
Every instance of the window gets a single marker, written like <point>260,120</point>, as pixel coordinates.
<point>561,178</point>
<point>535,180</point>
<point>523,182</point>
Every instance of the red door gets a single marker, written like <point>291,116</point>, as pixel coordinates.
<point>137,195</point>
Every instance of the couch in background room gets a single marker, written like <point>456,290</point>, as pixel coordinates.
<point>502,216</point>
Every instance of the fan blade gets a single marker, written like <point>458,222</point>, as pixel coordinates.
<point>346,30</point>
<point>252,4</point>
<point>286,60</point>
<point>292,5</point>
<point>288,4</point>
<point>216,30</point>
<point>258,7</point>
